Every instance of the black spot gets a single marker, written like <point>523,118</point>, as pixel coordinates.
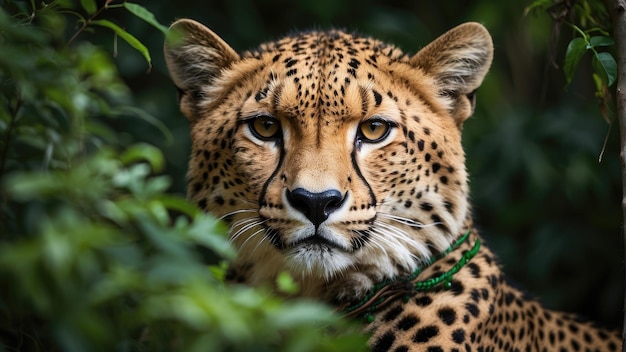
<point>420,145</point>
<point>434,349</point>
<point>485,293</point>
<point>408,322</point>
<point>447,315</point>
<point>475,295</point>
<point>475,269</point>
<point>472,308</point>
<point>377,98</point>
<point>423,301</point>
<point>383,344</point>
<point>436,167</point>
<point>290,62</point>
<point>444,180</point>
<point>426,333</point>
<point>458,336</point>
<point>202,203</point>
<point>392,314</point>
<point>401,349</point>
<point>408,204</point>
<point>493,281</point>
<point>354,63</point>
<point>426,206</point>
<point>456,287</point>
<point>551,337</point>
<point>508,298</point>
<point>437,220</point>
<point>292,72</point>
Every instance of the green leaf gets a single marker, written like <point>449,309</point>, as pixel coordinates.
<point>89,6</point>
<point>147,152</point>
<point>147,117</point>
<point>145,15</point>
<point>127,37</point>
<point>575,50</point>
<point>286,284</point>
<point>537,4</point>
<point>597,41</point>
<point>211,233</point>
<point>179,204</point>
<point>604,65</point>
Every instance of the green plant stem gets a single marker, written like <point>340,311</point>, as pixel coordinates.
<point>617,10</point>
<point>87,22</point>
<point>4,153</point>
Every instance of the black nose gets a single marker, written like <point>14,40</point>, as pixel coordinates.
<point>315,206</point>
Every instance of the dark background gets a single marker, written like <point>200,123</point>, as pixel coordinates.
<point>542,199</point>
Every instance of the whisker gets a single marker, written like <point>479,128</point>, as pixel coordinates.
<point>376,241</point>
<point>250,224</point>
<point>238,211</point>
<point>402,239</point>
<point>254,234</point>
<point>242,222</point>
<point>407,221</point>
<point>263,239</point>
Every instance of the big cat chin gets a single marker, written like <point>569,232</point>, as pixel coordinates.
<point>317,260</point>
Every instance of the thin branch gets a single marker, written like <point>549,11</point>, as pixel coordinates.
<point>4,153</point>
<point>87,22</point>
<point>617,10</point>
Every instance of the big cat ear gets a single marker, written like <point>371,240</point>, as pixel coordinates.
<point>195,57</point>
<point>458,60</point>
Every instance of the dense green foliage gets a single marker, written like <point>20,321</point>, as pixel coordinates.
<point>95,253</point>
<point>100,251</point>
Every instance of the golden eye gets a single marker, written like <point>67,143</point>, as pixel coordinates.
<point>265,127</point>
<point>374,130</point>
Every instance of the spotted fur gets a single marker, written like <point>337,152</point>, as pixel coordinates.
<point>337,158</point>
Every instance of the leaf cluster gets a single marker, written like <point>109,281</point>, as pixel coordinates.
<point>589,21</point>
<point>95,253</point>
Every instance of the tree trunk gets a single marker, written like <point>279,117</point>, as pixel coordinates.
<point>617,10</point>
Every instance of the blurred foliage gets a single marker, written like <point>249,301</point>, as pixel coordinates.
<point>96,254</point>
<point>99,250</point>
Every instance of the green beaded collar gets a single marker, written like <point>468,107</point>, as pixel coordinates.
<point>406,286</point>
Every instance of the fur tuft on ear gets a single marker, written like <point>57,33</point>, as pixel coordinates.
<point>195,56</point>
<point>458,60</point>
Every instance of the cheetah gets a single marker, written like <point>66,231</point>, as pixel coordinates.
<point>337,158</point>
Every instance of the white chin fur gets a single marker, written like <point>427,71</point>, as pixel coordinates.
<point>319,260</point>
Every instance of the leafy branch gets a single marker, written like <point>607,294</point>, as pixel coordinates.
<point>91,9</point>
<point>603,63</point>
<point>588,20</point>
